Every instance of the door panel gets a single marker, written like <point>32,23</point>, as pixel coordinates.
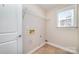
<point>10,28</point>
<point>8,18</point>
<point>8,47</point>
<point>7,37</point>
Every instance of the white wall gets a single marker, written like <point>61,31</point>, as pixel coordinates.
<point>34,10</point>
<point>33,18</point>
<point>65,37</point>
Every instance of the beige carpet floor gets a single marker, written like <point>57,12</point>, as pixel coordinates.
<point>48,49</point>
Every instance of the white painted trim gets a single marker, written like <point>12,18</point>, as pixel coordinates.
<point>58,46</point>
<point>19,30</point>
<point>52,44</point>
<point>36,48</point>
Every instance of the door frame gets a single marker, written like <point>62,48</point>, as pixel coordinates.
<point>19,30</point>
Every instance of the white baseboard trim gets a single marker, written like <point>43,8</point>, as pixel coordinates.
<point>58,46</point>
<point>36,48</point>
<point>52,44</point>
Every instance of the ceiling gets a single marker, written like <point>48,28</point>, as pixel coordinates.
<point>48,7</point>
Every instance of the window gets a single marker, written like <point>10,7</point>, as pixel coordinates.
<point>66,18</point>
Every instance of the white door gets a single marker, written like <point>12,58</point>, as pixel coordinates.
<point>10,29</point>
